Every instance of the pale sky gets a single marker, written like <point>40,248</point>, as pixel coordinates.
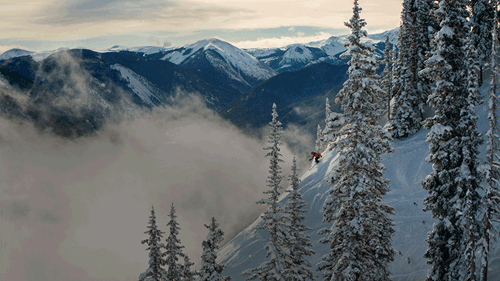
<point>101,24</point>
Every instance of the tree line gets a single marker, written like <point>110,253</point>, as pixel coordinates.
<point>442,49</point>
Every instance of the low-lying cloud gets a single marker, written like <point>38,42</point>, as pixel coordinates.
<point>77,208</point>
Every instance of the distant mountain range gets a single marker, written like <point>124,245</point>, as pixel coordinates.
<point>296,56</point>
<point>239,84</point>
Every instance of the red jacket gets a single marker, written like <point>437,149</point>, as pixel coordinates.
<point>317,155</point>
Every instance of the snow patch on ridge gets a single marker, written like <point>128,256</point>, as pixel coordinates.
<point>36,56</point>
<point>234,61</point>
<point>139,85</point>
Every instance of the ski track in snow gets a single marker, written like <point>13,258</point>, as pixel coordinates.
<point>406,168</point>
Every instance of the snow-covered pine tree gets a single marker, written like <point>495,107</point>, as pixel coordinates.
<point>278,255</point>
<point>360,233</point>
<point>482,14</point>
<point>491,198</point>
<point>173,249</point>
<point>394,73</point>
<point>469,177</point>
<point>333,123</point>
<point>187,274</point>
<point>327,109</point>
<point>407,104</point>
<point>452,144</point>
<point>210,269</point>
<point>386,76</point>
<point>299,242</point>
<point>320,145</point>
<point>425,25</point>
<point>155,272</point>
<point>328,112</point>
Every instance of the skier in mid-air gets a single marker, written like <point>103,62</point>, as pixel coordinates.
<point>316,155</point>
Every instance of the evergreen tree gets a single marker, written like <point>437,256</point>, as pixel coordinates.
<point>407,108</point>
<point>482,14</point>
<point>360,234</point>
<point>278,254</point>
<point>333,124</point>
<point>187,274</point>
<point>491,198</point>
<point>469,178</point>
<point>386,77</point>
<point>210,269</point>
<point>299,242</point>
<point>320,145</point>
<point>395,86</point>
<point>327,109</point>
<point>424,25</point>
<point>155,272</point>
<point>453,144</point>
<point>173,249</point>
<point>328,112</point>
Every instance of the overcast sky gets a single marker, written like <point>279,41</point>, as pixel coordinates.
<point>101,24</point>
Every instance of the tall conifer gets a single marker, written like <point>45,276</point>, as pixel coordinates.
<point>360,233</point>
<point>469,178</point>
<point>386,76</point>
<point>299,242</point>
<point>173,249</point>
<point>425,25</point>
<point>278,254</point>
<point>155,272</point>
<point>482,14</point>
<point>453,142</point>
<point>407,107</point>
<point>491,198</point>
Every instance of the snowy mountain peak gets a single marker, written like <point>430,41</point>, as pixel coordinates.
<point>296,53</point>
<point>178,56</point>
<point>393,36</point>
<point>36,56</point>
<point>14,53</point>
<point>223,56</point>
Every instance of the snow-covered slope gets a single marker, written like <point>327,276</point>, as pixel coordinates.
<point>297,53</point>
<point>406,167</point>
<point>139,85</point>
<point>224,56</point>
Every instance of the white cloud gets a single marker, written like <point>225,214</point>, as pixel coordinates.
<point>64,20</point>
<point>276,42</point>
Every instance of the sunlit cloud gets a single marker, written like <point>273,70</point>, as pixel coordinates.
<point>276,42</point>
<point>69,21</point>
